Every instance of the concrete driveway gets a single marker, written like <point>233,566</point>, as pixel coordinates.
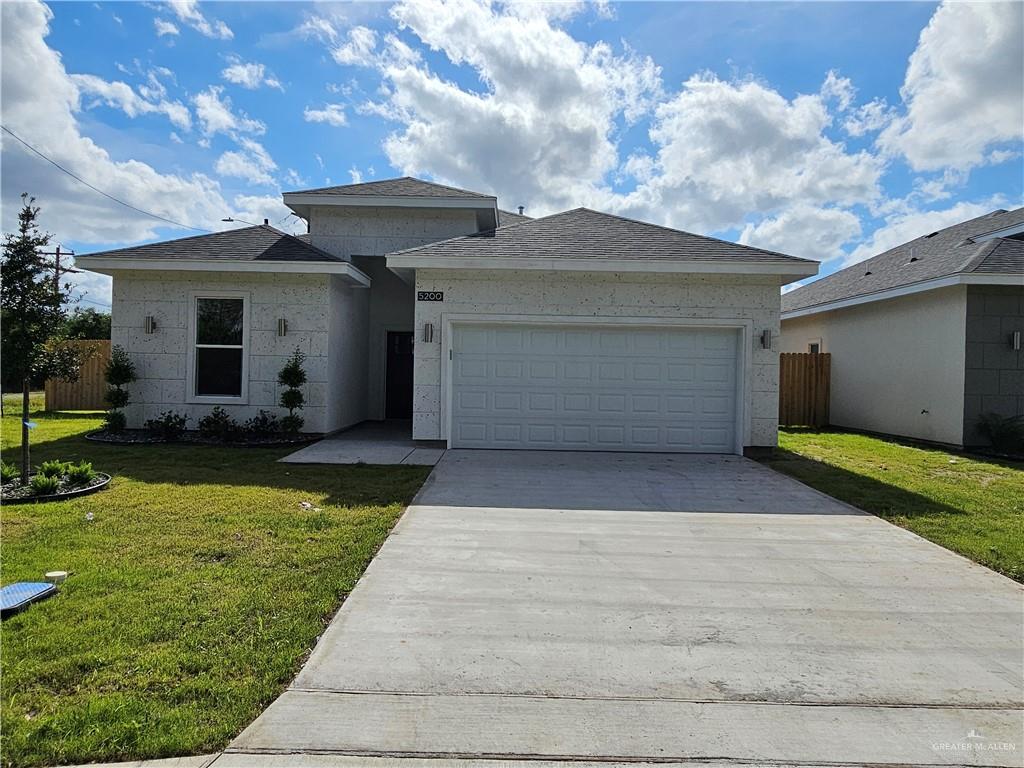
<point>666,608</point>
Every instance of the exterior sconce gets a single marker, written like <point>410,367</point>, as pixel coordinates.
<point>1015,340</point>
<point>149,324</point>
<point>428,332</point>
<point>766,339</point>
<point>282,327</point>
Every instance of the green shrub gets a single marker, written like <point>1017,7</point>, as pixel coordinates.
<point>263,423</point>
<point>44,485</point>
<point>292,376</point>
<point>54,469</point>
<point>169,425</point>
<point>117,398</point>
<point>1006,433</point>
<point>81,473</point>
<point>218,424</point>
<point>115,421</point>
<point>291,424</point>
<point>8,472</point>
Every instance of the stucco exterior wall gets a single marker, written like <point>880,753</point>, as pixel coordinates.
<point>369,231</point>
<point>346,355</point>
<point>161,358</point>
<point>994,380</point>
<point>750,300</point>
<point>897,365</point>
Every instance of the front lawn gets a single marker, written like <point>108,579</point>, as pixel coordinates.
<point>968,504</point>
<point>197,589</point>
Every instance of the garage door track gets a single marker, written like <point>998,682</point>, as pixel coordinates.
<point>653,608</point>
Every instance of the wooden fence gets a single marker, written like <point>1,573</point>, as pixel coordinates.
<point>804,389</point>
<point>86,394</point>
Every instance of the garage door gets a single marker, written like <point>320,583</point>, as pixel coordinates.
<point>603,389</point>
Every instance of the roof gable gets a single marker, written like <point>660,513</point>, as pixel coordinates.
<point>406,186</point>
<point>947,252</point>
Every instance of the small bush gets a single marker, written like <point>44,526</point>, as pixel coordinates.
<point>8,472</point>
<point>115,421</point>
<point>81,473</point>
<point>120,369</point>
<point>293,375</point>
<point>54,468</point>
<point>218,424</point>
<point>291,424</point>
<point>117,398</point>
<point>292,399</point>
<point>169,425</point>
<point>1006,433</point>
<point>44,485</point>
<point>264,423</point>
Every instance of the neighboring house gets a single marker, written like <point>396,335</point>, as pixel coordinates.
<point>413,300</point>
<point>925,337</point>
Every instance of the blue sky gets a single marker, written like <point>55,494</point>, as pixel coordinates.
<point>825,130</point>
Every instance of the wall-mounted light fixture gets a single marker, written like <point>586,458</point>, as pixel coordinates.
<point>282,327</point>
<point>1015,340</point>
<point>149,324</point>
<point>428,332</point>
<point>766,339</point>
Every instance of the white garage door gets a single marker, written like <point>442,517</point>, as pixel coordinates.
<point>603,389</point>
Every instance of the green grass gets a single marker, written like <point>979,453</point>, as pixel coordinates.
<point>195,594</point>
<point>969,504</point>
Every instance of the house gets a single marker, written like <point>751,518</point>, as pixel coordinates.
<point>925,337</point>
<point>414,300</point>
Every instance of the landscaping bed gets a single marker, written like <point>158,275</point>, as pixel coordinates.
<point>14,493</point>
<point>195,437</point>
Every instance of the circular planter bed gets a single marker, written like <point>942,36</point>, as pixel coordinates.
<point>22,494</point>
<point>191,437</point>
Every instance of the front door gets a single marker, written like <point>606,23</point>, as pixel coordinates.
<point>398,380</point>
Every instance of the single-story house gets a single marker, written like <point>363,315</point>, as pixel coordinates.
<point>925,337</point>
<point>414,300</point>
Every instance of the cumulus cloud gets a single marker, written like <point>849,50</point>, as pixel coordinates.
<point>359,48</point>
<point>164,27</point>
<point>188,13</point>
<point>252,163</point>
<point>213,109</point>
<point>962,88</point>
<point>332,114</point>
<point>250,75</point>
<point>121,96</point>
<point>805,231</point>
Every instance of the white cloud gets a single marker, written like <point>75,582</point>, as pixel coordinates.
<point>908,224</point>
<point>355,175</point>
<point>256,208</point>
<point>249,75</point>
<point>360,48</point>
<point>839,88</point>
<point>40,104</point>
<point>188,12</point>
<point>121,96</point>
<point>962,88</point>
<point>804,231</point>
<point>176,138</point>
<point>216,116</point>
<point>252,163</point>
<point>164,27</point>
<point>870,117</point>
<point>294,179</point>
<point>332,114</point>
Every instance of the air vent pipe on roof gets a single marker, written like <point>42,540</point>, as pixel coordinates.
<point>521,209</point>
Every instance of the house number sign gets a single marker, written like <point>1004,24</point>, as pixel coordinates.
<point>429,295</point>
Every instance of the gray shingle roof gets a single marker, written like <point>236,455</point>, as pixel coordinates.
<point>406,186</point>
<point>259,243</point>
<point>947,252</point>
<point>586,234</point>
<point>507,217</point>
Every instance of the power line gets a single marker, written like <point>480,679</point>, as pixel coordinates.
<point>91,301</point>
<point>97,189</point>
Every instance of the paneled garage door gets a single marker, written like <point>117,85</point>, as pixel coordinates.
<point>594,388</point>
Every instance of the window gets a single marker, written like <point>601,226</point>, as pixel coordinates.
<point>218,369</point>
<point>814,347</point>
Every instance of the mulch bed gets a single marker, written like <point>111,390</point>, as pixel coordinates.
<point>192,437</point>
<point>13,493</point>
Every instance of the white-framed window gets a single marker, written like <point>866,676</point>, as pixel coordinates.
<point>814,346</point>
<point>218,355</point>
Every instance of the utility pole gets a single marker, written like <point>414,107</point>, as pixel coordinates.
<point>57,269</point>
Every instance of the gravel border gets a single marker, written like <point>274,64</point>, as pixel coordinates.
<point>192,437</point>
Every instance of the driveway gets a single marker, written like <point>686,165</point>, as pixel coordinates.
<point>668,608</point>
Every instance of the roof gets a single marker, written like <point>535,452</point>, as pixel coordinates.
<point>259,243</point>
<point>406,186</point>
<point>959,249</point>
<point>585,234</point>
<point>507,217</point>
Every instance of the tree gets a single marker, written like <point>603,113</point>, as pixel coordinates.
<point>292,376</point>
<point>32,316</point>
<point>88,324</point>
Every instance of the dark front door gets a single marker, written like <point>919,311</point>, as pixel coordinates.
<point>398,382</point>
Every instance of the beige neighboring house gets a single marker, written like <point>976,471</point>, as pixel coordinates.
<point>925,337</point>
<point>485,329</point>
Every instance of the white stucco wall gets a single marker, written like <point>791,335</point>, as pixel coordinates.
<point>161,358</point>
<point>750,300</point>
<point>346,355</point>
<point>369,231</point>
<point>897,365</point>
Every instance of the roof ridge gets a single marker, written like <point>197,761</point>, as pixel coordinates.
<point>302,242</point>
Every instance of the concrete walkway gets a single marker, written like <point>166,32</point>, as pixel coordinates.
<point>372,442</point>
<point>627,607</point>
